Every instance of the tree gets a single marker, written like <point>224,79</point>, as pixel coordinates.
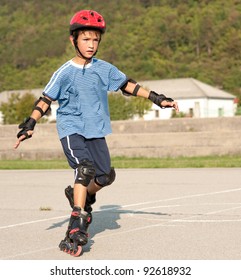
<point>120,107</point>
<point>124,108</point>
<point>146,39</point>
<point>140,106</point>
<point>16,109</point>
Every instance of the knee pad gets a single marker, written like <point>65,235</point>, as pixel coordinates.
<point>85,172</point>
<point>107,179</point>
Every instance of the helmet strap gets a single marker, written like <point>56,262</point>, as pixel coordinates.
<point>79,53</point>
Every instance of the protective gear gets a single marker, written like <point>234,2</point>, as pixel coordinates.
<point>69,193</point>
<point>158,98</point>
<point>107,179</point>
<point>45,100</point>
<point>85,172</point>
<point>76,235</point>
<point>124,92</point>
<point>87,19</point>
<point>27,125</point>
<point>90,199</point>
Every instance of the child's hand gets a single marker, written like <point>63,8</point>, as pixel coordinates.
<point>22,138</point>
<point>26,131</point>
<point>170,104</point>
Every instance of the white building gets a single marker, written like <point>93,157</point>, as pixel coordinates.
<point>195,99</point>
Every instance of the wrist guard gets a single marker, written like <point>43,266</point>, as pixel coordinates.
<point>158,98</point>
<point>27,125</point>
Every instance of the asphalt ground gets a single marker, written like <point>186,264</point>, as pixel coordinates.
<point>147,214</point>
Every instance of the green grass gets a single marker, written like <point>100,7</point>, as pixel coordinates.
<point>139,162</point>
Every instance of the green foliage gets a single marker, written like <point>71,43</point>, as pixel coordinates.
<point>146,39</point>
<point>124,108</point>
<point>120,107</point>
<point>140,106</point>
<point>17,109</point>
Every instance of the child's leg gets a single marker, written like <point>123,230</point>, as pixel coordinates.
<point>79,197</point>
<point>80,160</point>
<point>93,188</point>
<point>105,174</point>
<point>76,235</point>
<point>80,192</point>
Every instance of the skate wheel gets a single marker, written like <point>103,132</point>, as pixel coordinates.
<point>65,246</point>
<point>77,254</point>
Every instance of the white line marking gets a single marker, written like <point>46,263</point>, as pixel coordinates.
<point>126,206</point>
<point>164,223</point>
<point>171,199</point>
<point>208,221</point>
<point>33,222</point>
<point>186,205</point>
<point>28,253</point>
<point>223,210</point>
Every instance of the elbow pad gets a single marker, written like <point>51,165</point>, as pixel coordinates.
<point>124,92</point>
<point>45,100</point>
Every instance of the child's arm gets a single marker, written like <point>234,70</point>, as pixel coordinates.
<point>42,105</point>
<point>134,89</point>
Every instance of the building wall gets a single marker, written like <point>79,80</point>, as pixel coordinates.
<point>185,91</point>
<point>197,108</point>
<point>161,138</point>
<point>221,108</point>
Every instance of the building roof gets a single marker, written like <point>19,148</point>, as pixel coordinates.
<point>186,88</point>
<point>4,95</point>
<point>183,88</point>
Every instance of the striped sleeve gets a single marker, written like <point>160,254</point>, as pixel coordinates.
<point>117,79</point>
<point>53,87</point>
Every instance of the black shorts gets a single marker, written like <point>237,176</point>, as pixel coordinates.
<point>77,148</point>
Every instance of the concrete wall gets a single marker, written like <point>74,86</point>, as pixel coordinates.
<point>161,138</point>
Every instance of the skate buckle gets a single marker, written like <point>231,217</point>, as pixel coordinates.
<point>74,230</point>
<point>75,213</point>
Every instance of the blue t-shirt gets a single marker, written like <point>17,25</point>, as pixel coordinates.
<point>82,96</point>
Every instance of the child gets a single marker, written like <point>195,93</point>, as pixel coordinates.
<point>83,120</point>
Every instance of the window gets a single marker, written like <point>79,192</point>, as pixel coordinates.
<point>220,112</point>
<point>157,115</point>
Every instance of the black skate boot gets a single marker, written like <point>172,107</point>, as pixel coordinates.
<point>76,235</point>
<point>69,193</point>
<point>90,199</point>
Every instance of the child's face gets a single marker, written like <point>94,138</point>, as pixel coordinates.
<point>88,42</point>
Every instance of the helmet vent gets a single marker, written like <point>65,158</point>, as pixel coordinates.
<point>85,18</point>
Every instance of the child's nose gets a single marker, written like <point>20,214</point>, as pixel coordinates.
<point>91,44</point>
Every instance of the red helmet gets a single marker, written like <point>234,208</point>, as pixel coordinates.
<point>87,19</point>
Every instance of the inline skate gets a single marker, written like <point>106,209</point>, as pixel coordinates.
<point>76,234</point>
<point>90,199</point>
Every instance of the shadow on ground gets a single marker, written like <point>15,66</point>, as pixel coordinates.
<point>106,218</point>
